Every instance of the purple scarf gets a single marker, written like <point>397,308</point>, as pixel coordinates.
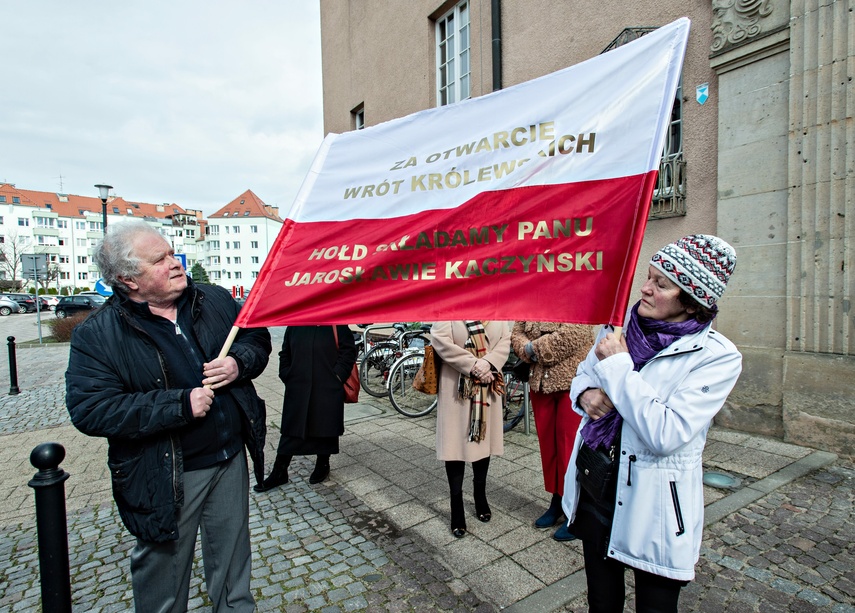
<point>645,338</point>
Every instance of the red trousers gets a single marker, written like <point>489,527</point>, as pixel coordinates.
<point>556,425</point>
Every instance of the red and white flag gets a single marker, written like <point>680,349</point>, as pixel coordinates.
<point>529,203</point>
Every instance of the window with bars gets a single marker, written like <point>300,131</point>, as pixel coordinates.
<point>669,197</point>
<point>452,55</point>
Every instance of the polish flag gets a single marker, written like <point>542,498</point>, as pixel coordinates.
<point>529,203</point>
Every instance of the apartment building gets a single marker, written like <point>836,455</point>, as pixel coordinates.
<point>239,237</point>
<point>757,153</point>
<point>66,227</point>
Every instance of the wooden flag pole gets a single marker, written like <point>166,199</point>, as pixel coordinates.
<point>228,344</point>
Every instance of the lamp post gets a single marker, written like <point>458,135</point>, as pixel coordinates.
<point>104,192</point>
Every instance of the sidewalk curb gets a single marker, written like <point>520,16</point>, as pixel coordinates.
<point>568,589</point>
<point>720,509</point>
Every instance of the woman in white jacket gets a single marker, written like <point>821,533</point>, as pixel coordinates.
<point>650,397</point>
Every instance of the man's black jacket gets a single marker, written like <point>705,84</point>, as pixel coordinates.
<point>118,386</point>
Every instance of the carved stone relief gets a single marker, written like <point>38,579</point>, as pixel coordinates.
<point>736,21</point>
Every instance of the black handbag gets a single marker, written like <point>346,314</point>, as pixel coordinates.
<point>521,370</point>
<point>597,470</point>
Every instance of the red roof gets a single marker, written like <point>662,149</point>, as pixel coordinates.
<point>70,205</point>
<point>248,205</point>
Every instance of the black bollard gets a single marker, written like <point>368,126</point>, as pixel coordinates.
<point>13,368</point>
<point>51,526</point>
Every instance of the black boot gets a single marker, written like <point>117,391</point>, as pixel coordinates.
<point>322,469</point>
<point>479,485</point>
<point>454,471</point>
<point>278,474</point>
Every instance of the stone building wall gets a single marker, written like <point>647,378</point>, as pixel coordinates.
<point>785,194</point>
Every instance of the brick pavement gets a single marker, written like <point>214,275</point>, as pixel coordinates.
<point>375,535</point>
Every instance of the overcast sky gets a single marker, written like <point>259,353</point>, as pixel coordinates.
<point>181,101</point>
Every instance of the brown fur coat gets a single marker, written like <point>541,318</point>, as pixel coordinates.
<point>558,348</point>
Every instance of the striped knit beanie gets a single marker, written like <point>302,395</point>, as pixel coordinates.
<point>699,264</point>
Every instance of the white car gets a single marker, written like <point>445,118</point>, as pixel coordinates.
<point>7,306</point>
<point>51,301</point>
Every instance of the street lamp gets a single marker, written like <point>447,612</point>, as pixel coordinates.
<point>104,192</point>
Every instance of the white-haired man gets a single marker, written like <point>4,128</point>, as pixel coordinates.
<point>144,373</point>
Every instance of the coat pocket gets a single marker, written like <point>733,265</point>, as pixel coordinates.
<point>131,485</point>
<point>678,513</point>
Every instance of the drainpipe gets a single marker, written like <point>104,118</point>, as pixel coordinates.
<point>496,14</point>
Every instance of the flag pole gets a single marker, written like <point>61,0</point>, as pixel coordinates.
<point>228,344</point>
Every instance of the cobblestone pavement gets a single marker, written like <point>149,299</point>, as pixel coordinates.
<point>792,550</point>
<point>314,548</point>
<point>375,535</point>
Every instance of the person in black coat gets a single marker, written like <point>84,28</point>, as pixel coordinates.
<point>144,371</point>
<point>313,365</point>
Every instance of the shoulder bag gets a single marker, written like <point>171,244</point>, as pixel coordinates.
<point>521,369</point>
<point>597,470</point>
<point>351,385</point>
<point>427,376</point>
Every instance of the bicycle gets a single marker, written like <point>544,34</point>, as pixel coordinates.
<point>412,403</point>
<point>514,403</point>
<point>404,397</point>
<point>377,357</point>
<point>375,366</point>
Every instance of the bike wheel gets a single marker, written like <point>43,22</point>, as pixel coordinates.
<point>374,369</point>
<point>405,398</point>
<point>513,403</point>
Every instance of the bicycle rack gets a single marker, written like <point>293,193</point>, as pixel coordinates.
<point>366,330</point>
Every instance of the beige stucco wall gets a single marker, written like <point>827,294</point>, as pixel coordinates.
<point>375,54</point>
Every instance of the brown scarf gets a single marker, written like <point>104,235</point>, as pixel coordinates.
<point>472,388</point>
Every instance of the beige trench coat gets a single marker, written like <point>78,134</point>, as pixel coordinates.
<point>452,413</point>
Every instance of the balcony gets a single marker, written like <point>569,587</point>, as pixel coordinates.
<point>669,197</point>
<point>45,231</point>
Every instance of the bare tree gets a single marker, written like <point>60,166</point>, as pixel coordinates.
<point>12,251</point>
<point>51,275</point>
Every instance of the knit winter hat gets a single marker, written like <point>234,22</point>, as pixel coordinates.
<point>700,264</point>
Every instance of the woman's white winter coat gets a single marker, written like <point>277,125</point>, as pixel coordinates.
<point>667,408</point>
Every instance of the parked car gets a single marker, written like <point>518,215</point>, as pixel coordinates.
<point>26,303</point>
<point>71,305</point>
<point>7,306</point>
<point>51,301</point>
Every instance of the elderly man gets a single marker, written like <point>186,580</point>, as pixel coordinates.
<point>144,372</point>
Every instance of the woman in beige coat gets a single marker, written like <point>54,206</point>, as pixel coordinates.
<point>469,410</point>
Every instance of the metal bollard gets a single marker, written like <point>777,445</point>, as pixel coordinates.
<point>51,525</point>
<point>13,368</point>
